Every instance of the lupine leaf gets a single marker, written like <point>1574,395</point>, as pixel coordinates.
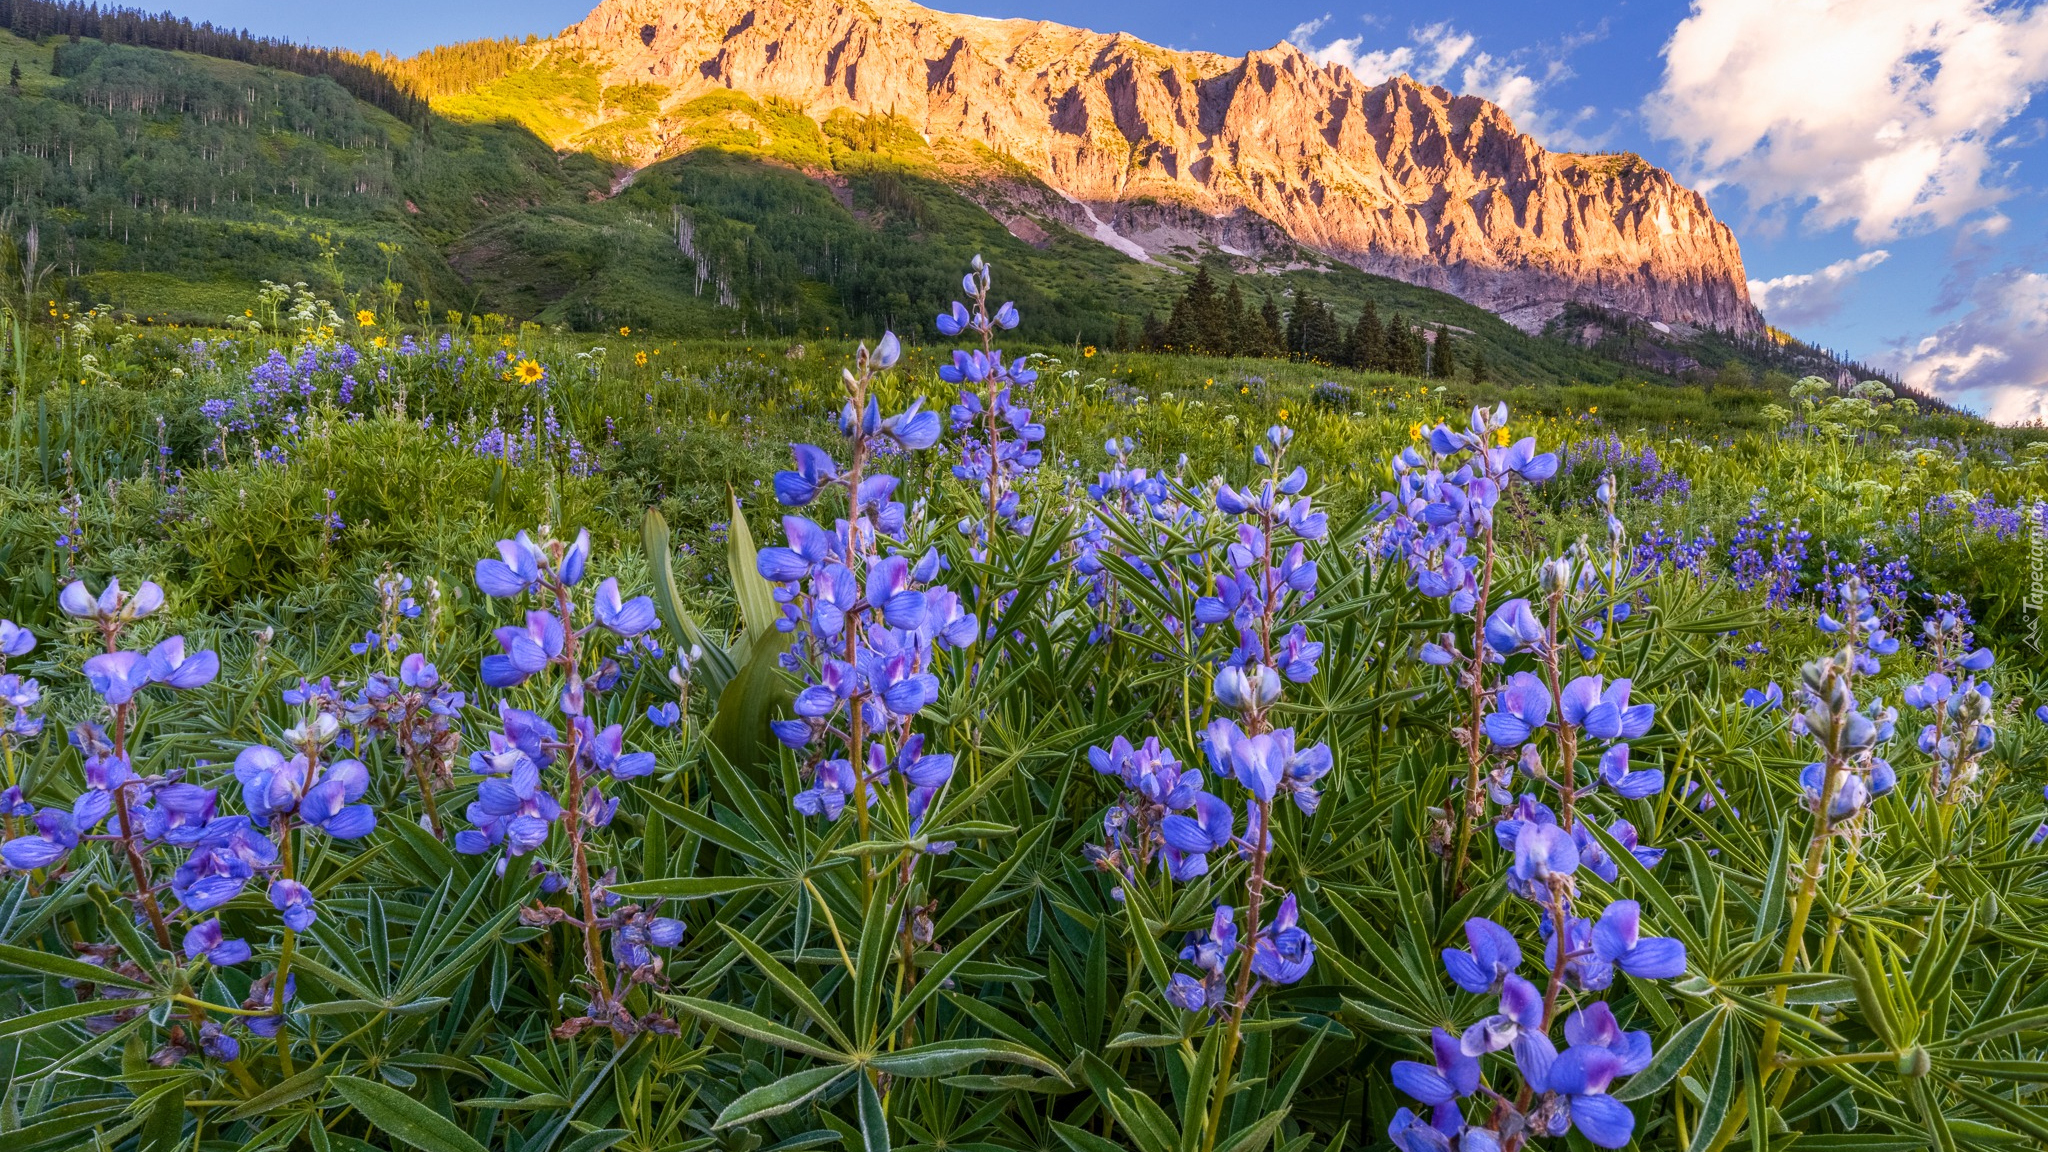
<point>402,1118</point>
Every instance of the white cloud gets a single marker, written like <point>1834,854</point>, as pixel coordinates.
<point>1804,297</point>
<point>1994,360</point>
<point>1441,54</point>
<point>1881,113</point>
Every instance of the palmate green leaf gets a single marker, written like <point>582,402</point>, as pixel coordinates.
<point>1717,1110</point>
<point>944,1057</point>
<point>791,985</point>
<point>870,959</point>
<point>695,887</point>
<point>34,1021</point>
<point>759,1027</point>
<point>2026,1119</point>
<point>979,892</point>
<point>789,1092</point>
<point>1670,1059</point>
<point>1081,1140</point>
<point>402,1118</point>
<point>51,964</point>
<point>1255,1137</point>
<point>66,1126</point>
<point>934,978</point>
<point>874,1122</point>
<point>307,1083</point>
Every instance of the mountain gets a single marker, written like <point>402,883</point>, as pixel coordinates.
<point>1155,151</point>
<point>593,182</point>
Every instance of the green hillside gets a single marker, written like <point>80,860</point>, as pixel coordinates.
<point>169,185</point>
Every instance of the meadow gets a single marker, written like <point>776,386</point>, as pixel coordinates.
<point>429,731</point>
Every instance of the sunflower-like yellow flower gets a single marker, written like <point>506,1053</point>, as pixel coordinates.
<point>366,319</point>
<point>640,358</point>
<point>1415,431</point>
<point>1088,352</point>
<point>529,371</point>
<point>625,331</point>
<point>1500,437</point>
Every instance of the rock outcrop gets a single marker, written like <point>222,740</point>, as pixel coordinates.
<point>1154,147</point>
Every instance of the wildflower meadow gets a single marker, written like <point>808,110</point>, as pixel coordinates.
<point>447,734</point>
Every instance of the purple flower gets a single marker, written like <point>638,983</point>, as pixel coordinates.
<point>207,942</point>
<point>1513,627</point>
<point>1617,939</point>
<point>118,676</point>
<point>15,640</point>
<point>629,619</point>
<point>170,666</point>
<point>527,650</point>
<point>1581,1074</point>
<point>1604,714</point>
<point>56,833</point>
<point>516,573</point>
<point>1521,707</point>
<point>111,605</point>
<point>668,715</point>
<point>217,1044</point>
<point>1541,851</point>
<point>1632,785</point>
<point>1520,1015</point>
<point>1769,699</point>
<point>1454,1075</point>
<point>815,469</point>
<point>295,900</point>
<point>1494,955</point>
<point>1284,952</point>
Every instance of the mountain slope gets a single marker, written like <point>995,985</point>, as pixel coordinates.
<point>1157,148</point>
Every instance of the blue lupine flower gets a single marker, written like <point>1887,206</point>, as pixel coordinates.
<point>1513,627</point>
<point>629,619</point>
<point>1604,714</point>
<point>1518,1024</point>
<point>111,606</point>
<point>1617,940</point>
<point>667,716</point>
<point>295,901</point>
<point>1541,851</point>
<point>15,640</point>
<point>1632,785</point>
<point>118,676</point>
<point>1495,953</point>
<point>516,573</point>
<point>55,833</point>
<point>208,941</point>
<point>1522,707</point>
<point>1581,1075</point>
<point>1284,952</point>
<point>1769,699</point>
<point>1454,1075</point>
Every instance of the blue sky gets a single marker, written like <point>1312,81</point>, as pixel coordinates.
<point>1883,162</point>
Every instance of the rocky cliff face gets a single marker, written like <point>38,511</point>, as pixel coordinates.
<point>1155,147</point>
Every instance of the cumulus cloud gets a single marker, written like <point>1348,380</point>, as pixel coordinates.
<point>1884,114</point>
<point>1440,53</point>
<point>1994,360</point>
<point>1804,297</point>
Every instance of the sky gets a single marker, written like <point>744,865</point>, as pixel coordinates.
<point>1884,163</point>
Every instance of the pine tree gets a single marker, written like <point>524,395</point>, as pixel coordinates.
<point>1152,336</point>
<point>1269,319</point>
<point>1443,358</point>
<point>1232,325</point>
<point>14,77</point>
<point>1324,336</point>
<point>1479,370</point>
<point>1369,341</point>
<point>1404,348</point>
<point>1294,339</point>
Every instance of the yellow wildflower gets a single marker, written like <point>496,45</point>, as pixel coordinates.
<point>529,371</point>
<point>625,331</point>
<point>1089,351</point>
<point>1500,437</point>
<point>640,358</point>
<point>1415,431</point>
<point>366,319</point>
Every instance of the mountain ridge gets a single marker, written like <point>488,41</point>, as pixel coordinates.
<point>1398,179</point>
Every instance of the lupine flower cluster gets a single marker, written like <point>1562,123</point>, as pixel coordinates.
<point>866,623</point>
<point>1850,774</point>
<point>515,810</point>
<point>1267,578</point>
<point>998,437</point>
<point>1768,554</point>
<point>151,819</point>
<point>1560,1091</point>
<point>1959,708</point>
<point>1650,479</point>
